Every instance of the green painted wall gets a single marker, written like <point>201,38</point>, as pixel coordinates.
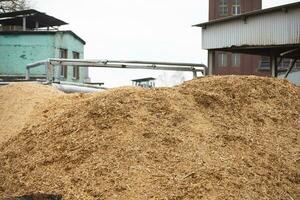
<point>72,44</point>
<point>18,50</point>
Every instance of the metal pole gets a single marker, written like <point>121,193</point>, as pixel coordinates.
<point>211,61</point>
<point>27,74</point>
<point>195,74</point>
<point>24,24</point>
<point>273,62</point>
<point>37,25</point>
<point>290,68</point>
<point>49,73</point>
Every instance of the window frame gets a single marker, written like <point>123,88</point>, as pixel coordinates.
<point>224,59</point>
<point>63,54</point>
<point>236,59</point>
<point>236,6</point>
<point>76,69</point>
<point>223,8</point>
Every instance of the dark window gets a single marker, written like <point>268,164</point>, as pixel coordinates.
<point>63,53</point>
<point>223,7</point>
<point>236,7</point>
<point>222,59</point>
<point>236,59</point>
<point>76,70</point>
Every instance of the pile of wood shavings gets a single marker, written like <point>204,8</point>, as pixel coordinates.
<point>215,138</point>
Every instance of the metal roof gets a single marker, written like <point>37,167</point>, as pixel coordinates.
<point>32,16</point>
<point>244,16</point>
<point>143,79</point>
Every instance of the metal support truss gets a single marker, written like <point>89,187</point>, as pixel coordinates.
<point>119,64</point>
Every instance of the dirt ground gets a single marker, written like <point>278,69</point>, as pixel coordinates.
<point>213,138</point>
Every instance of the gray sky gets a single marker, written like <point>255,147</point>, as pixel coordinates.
<point>158,30</point>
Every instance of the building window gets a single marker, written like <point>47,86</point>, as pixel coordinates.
<point>76,70</point>
<point>222,59</point>
<point>223,7</point>
<point>63,53</point>
<point>264,63</point>
<point>236,7</point>
<point>236,59</point>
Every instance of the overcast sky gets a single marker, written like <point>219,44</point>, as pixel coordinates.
<point>156,30</point>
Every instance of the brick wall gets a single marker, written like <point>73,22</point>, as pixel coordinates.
<point>249,64</point>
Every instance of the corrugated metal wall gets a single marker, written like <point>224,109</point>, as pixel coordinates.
<point>276,28</point>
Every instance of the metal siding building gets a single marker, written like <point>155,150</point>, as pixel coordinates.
<point>278,28</point>
<point>272,32</point>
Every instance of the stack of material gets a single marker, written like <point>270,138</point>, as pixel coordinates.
<point>17,101</point>
<point>211,138</point>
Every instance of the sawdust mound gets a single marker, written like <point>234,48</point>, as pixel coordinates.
<point>17,101</point>
<point>211,138</point>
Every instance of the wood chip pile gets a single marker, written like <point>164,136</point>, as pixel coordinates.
<point>213,138</point>
<point>17,101</point>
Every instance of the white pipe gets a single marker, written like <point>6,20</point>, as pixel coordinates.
<point>68,88</point>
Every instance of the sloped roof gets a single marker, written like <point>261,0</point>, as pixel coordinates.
<point>32,16</point>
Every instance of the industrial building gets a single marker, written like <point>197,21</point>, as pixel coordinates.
<point>29,36</point>
<point>271,33</point>
<point>234,63</point>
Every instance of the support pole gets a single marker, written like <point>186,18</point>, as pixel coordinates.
<point>194,74</point>
<point>290,68</point>
<point>27,74</point>
<point>279,62</point>
<point>211,61</point>
<point>273,61</point>
<point>37,25</point>
<point>49,73</point>
<point>24,24</point>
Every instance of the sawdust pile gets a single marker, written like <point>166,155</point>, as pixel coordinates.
<point>17,101</point>
<point>211,138</point>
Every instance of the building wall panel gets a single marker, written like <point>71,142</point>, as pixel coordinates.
<point>276,28</point>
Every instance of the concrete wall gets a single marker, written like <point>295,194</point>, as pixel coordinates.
<point>16,51</point>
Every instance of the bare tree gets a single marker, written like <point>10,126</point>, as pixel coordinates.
<point>13,5</point>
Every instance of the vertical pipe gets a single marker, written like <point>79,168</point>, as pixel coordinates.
<point>24,24</point>
<point>27,74</point>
